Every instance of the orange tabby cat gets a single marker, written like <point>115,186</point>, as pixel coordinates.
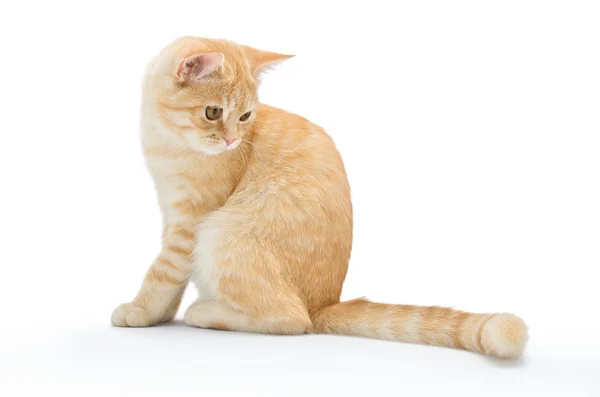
<point>257,213</point>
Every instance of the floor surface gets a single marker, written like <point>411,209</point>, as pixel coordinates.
<point>180,361</point>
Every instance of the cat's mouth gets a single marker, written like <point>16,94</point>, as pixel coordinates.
<point>202,145</point>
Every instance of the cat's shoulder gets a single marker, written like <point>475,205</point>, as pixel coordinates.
<point>271,117</point>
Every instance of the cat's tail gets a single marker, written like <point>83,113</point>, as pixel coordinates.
<point>499,334</point>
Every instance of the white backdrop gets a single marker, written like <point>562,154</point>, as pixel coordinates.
<point>471,135</point>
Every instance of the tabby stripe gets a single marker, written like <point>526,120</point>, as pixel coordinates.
<point>179,250</point>
<point>459,321</point>
<point>167,263</point>
<point>157,275</point>
<point>186,234</point>
<point>480,331</point>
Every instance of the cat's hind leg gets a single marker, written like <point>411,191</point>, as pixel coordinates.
<point>218,315</point>
<point>240,281</point>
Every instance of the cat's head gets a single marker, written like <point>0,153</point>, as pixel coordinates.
<point>207,91</point>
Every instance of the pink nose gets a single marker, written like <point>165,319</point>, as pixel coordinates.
<point>230,141</point>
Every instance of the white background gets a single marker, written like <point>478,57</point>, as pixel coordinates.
<point>471,135</point>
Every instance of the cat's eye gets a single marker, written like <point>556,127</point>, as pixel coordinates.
<point>213,113</point>
<point>245,116</point>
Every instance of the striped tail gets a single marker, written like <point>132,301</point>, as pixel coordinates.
<point>499,334</point>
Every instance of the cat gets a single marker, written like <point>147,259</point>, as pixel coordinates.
<point>257,213</point>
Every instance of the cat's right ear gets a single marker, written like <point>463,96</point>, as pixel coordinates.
<point>199,67</point>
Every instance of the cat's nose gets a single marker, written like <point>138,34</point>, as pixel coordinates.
<point>229,141</point>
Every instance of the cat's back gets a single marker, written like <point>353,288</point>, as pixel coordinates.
<point>290,142</point>
<point>294,168</point>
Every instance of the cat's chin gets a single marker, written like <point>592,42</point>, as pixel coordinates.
<point>213,151</point>
<point>208,150</point>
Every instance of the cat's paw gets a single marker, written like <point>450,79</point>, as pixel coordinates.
<point>128,315</point>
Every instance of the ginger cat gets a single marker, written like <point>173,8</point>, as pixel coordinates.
<point>257,213</point>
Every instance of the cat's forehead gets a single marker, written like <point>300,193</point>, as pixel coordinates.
<point>237,97</point>
<point>233,104</point>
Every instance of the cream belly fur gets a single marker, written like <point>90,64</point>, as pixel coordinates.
<point>206,273</point>
<point>257,214</point>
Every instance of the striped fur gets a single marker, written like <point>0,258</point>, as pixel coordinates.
<point>257,213</point>
<point>499,334</point>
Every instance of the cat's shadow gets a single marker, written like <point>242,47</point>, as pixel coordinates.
<point>488,360</point>
<point>503,363</point>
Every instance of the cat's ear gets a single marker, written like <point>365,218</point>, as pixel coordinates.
<point>199,66</point>
<point>261,61</point>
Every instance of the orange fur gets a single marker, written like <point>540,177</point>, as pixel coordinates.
<point>264,226</point>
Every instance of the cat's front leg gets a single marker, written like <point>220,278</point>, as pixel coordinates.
<point>164,283</point>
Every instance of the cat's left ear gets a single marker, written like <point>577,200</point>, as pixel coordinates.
<point>200,66</point>
<point>261,61</point>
